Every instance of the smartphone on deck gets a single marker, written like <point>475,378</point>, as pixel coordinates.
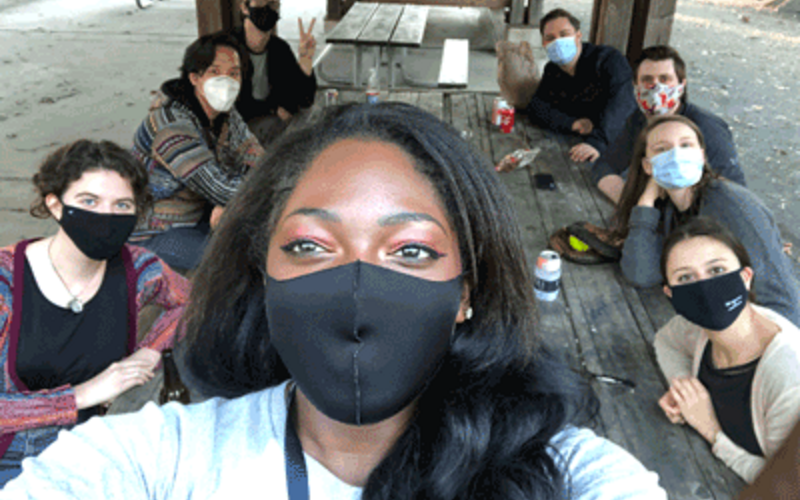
<point>545,181</point>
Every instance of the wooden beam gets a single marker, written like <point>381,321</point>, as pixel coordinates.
<point>214,15</point>
<point>639,22</point>
<point>631,25</point>
<point>337,9</point>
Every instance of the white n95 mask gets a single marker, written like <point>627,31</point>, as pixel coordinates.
<point>221,92</point>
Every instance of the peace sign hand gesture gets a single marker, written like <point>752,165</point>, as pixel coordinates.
<point>308,44</point>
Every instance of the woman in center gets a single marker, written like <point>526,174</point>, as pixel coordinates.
<point>366,299</point>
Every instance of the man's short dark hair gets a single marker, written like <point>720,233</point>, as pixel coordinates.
<point>662,53</point>
<point>555,14</point>
<point>200,55</point>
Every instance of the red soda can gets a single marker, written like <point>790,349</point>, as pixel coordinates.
<point>507,119</point>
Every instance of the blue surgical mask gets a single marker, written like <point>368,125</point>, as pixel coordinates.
<point>678,168</point>
<point>562,50</point>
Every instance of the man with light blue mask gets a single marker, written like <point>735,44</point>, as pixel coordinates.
<point>585,89</point>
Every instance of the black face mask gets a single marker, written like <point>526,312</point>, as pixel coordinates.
<point>713,304</point>
<point>98,236</point>
<point>264,18</point>
<point>360,341</point>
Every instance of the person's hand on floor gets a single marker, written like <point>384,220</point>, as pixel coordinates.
<point>696,406</point>
<point>671,408</point>
<point>583,152</point>
<point>583,126</point>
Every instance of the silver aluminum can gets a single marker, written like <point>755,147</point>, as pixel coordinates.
<point>548,276</point>
<point>331,97</point>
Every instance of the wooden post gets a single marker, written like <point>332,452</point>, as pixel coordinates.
<point>631,25</point>
<point>214,15</point>
<point>338,8</point>
<point>661,15</point>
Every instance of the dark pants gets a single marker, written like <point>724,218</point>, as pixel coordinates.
<point>181,248</point>
<point>267,129</point>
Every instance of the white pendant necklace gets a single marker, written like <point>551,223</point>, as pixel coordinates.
<point>75,304</point>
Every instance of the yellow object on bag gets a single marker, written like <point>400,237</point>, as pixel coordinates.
<point>577,244</point>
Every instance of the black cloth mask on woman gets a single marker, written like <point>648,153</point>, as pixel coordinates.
<point>264,18</point>
<point>98,236</point>
<point>713,304</point>
<point>361,341</point>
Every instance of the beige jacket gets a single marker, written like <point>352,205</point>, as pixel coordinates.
<point>775,400</point>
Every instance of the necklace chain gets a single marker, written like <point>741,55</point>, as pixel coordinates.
<point>76,304</point>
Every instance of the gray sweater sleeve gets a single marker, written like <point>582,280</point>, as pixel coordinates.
<point>745,215</point>
<point>641,252</point>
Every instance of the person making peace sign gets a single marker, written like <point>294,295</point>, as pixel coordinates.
<point>276,85</point>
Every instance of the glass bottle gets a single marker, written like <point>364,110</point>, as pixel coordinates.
<point>173,389</point>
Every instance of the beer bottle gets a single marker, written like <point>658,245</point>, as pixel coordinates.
<point>173,389</point>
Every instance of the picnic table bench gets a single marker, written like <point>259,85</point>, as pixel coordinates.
<point>602,325</point>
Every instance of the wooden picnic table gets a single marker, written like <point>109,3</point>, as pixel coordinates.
<point>601,324</point>
<point>393,29</point>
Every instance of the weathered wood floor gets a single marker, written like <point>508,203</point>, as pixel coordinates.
<point>605,326</point>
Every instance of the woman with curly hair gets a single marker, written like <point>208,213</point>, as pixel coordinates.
<point>69,303</point>
<point>366,300</point>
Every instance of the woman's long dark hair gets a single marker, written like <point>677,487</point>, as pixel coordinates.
<point>484,424</point>
<point>638,178</point>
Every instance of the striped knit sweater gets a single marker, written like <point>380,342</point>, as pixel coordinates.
<point>189,164</point>
<point>150,281</point>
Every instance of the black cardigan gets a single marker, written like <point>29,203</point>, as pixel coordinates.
<point>290,87</point>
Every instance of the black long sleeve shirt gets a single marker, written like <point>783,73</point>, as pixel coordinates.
<point>290,88</point>
<point>601,90</point>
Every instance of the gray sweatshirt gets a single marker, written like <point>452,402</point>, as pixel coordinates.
<point>234,449</point>
<point>745,215</point>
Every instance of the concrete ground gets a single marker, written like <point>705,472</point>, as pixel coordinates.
<point>86,69</point>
